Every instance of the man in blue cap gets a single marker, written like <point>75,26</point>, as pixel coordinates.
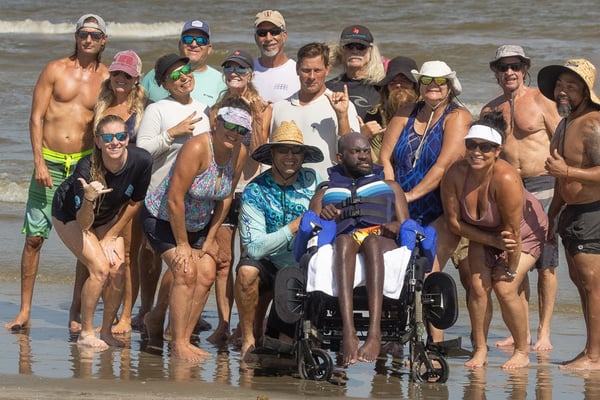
<point>194,43</point>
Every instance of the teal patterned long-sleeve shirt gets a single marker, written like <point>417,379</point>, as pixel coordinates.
<point>266,210</point>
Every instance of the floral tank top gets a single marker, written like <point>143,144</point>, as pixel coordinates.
<point>200,198</point>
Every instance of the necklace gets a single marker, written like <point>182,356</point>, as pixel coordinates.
<point>422,141</point>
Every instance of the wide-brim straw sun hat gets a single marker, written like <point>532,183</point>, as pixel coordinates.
<point>287,133</point>
<point>439,69</point>
<point>548,76</point>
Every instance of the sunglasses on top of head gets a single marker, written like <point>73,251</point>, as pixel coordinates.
<point>503,67</point>
<point>108,137</point>
<point>176,75</point>
<point>484,147</point>
<point>426,80</point>
<point>357,46</point>
<point>95,35</point>
<point>238,69</point>
<point>200,40</point>
<point>272,31</point>
<point>230,126</point>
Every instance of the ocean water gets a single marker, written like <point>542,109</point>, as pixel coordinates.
<point>463,33</point>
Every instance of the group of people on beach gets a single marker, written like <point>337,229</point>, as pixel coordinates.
<point>134,170</point>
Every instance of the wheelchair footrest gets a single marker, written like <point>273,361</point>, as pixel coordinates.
<point>276,345</point>
<point>449,347</point>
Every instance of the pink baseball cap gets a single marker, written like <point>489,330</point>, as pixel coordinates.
<point>127,61</point>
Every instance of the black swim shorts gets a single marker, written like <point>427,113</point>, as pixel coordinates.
<point>160,234</point>
<point>579,228</point>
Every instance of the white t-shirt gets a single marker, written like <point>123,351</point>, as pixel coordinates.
<point>152,133</point>
<point>278,83</point>
<point>318,123</point>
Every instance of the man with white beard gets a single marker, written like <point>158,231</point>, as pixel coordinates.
<point>274,72</point>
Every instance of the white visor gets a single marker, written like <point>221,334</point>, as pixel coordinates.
<point>485,133</point>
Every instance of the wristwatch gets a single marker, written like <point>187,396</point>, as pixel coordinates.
<point>510,274</point>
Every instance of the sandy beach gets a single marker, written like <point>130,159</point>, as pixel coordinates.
<point>45,362</point>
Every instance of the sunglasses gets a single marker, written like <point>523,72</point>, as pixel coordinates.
<point>230,126</point>
<point>355,46</point>
<point>289,149</point>
<point>117,73</point>
<point>272,31</point>
<point>108,137</point>
<point>200,40</point>
<point>238,69</point>
<point>516,67</point>
<point>484,147</point>
<point>176,75</point>
<point>426,80</point>
<point>95,35</point>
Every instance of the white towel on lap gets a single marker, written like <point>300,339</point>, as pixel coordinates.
<point>321,274</point>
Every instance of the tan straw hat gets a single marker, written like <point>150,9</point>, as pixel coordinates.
<point>287,133</point>
<point>548,76</point>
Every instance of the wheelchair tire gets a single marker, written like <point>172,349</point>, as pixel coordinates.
<point>319,368</point>
<point>289,283</point>
<point>439,373</point>
<point>443,313</point>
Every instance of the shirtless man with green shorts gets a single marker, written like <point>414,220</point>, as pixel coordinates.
<point>60,129</point>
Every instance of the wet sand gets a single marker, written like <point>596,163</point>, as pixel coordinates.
<point>45,362</point>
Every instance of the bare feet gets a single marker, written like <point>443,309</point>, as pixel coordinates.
<point>137,323</point>
<point>188,352</point>
<point>235,339</point>
<point>247,347</point>
<point>91,341</point>
<point>478,360</point>
<point>543,343</point>
<point>220,335</point>
<point>20,322</point>
<point>518,360</point>
<point>154,330</point>
<point>112,341</point>
<point>349,349</point>
<point>75,326</point>
<point>123,326</point>
<point>509,341</point>
<point>201,326</point>
<point>369,351</point>
<point>74,321</point>
<point>581,363</point>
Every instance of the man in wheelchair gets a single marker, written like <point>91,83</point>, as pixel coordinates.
<point>368,212</point>
<point>271,208</point>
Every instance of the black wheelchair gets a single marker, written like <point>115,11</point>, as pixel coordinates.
<point>424,299</point>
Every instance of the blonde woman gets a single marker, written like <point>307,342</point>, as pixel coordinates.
<point>90,210</point>
<point>121,95</point>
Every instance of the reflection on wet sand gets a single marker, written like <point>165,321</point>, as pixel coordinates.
<point>47,351</point>
<point>388,376</point>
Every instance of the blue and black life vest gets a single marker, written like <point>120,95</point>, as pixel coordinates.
<point>364,202</point>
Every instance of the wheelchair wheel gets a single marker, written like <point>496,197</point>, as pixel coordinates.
<point>442,311</point>
<point>318,368</point>
<point>289,284</point>
<point>439,373</point>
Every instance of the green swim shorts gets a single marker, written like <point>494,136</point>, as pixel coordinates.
<point>38,211</point>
